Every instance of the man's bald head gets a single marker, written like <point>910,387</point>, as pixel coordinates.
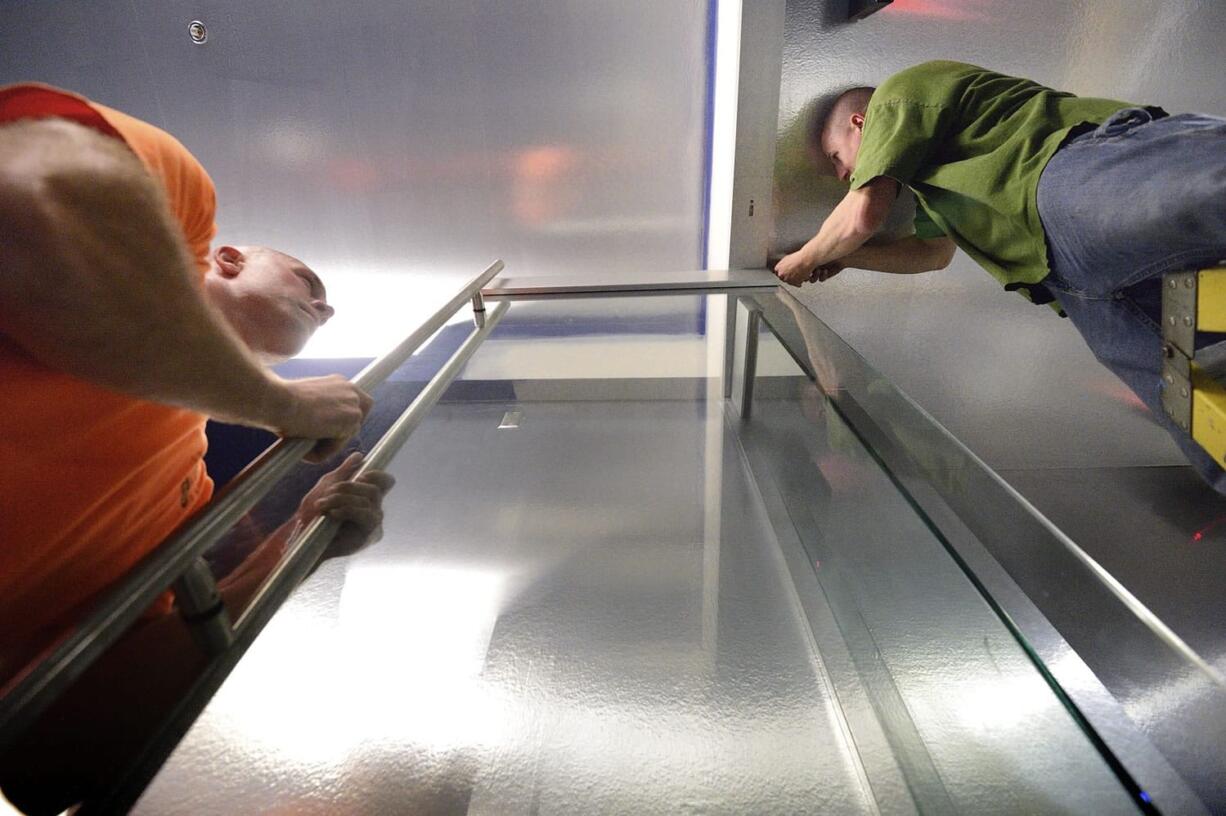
<point>273,300</point>
<point>853,100</point>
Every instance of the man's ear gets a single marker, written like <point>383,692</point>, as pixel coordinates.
<point>857,121</point>
<point>229,261</point>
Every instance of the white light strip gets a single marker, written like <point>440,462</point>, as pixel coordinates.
<point>723,132</point>
<point>375,309</point>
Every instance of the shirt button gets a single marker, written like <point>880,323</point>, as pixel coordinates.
<point>184,490</point>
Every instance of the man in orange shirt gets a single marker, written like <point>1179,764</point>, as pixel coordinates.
<point>119,333</point>
<point>111,356</point>
<point>274,303</point>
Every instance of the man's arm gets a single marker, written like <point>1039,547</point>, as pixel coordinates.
<point>95,281</point>
<point>95,728</point>
<point>906,256</point>
<point>854,220</point>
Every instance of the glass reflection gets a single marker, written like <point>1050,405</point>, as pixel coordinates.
<point>96,729</point>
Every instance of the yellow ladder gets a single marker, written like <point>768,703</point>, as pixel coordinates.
<point>1192,302</point>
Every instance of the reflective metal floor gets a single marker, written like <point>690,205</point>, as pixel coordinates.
<point>637,604</point>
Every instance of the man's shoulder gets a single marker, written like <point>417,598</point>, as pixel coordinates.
<point>938,68</point>
<point>190,191</point>
<point>161,152</point>
<point>163,155</point>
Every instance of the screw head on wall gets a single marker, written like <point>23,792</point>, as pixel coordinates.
<point>198,32</point>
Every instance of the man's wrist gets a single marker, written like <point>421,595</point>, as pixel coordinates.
<point>811,255</point>
<point>275,404</point>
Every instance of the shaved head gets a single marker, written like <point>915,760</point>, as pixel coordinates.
<point>273,300</point>
<point>263,250</point>
<point>853,100</point>
<point>836,125</point>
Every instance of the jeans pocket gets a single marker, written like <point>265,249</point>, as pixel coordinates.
<point>1123,121</point>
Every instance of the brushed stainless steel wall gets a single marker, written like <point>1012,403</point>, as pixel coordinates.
<point>392,144</point>
<point>1012,380</point>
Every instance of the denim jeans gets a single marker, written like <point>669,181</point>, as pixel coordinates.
<point>1122,205</point>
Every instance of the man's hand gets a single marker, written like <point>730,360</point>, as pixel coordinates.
<point>356,502</point>
<point>330,409</point>
<point>796,268</point>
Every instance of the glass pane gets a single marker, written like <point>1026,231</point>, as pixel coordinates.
<point>972,723</point>
<point>600,590</point>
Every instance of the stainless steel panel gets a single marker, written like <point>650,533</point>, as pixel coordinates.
<point>979,359</point>
<point>615,608</point>
<point>1014,382</point>
<point>396,146</point>
<point>888,585</point>
<point>1178,541</point>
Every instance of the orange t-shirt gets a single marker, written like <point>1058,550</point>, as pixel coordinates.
<point>92,480</point>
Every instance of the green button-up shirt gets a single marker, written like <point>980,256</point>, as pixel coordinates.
<point>972,144</point>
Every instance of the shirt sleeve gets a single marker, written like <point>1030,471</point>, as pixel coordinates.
<point>198,215</point>
<point>36,101</point>
<point>189,190</point>
<point>898,138</point>
<point>925,227</point>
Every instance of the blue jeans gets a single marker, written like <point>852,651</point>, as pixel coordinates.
<point>1122,205</point>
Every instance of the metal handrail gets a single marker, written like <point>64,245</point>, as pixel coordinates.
<point>304,552</point>
<point>120,607</point>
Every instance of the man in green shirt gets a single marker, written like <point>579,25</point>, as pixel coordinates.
<point>1082,201</point>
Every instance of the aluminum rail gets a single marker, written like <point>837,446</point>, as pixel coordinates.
<point>303,554</point>
<point>29,694</point>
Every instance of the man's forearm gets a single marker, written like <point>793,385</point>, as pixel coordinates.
<point>905,256</point>
<point>97,281</point>
<point>841,234</point>
<point>852,222</point>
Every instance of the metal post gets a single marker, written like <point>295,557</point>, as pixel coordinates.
<point>729,342</point>
<point>478,310</point>
<point>745,362</point>
<point>1179,306</point>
